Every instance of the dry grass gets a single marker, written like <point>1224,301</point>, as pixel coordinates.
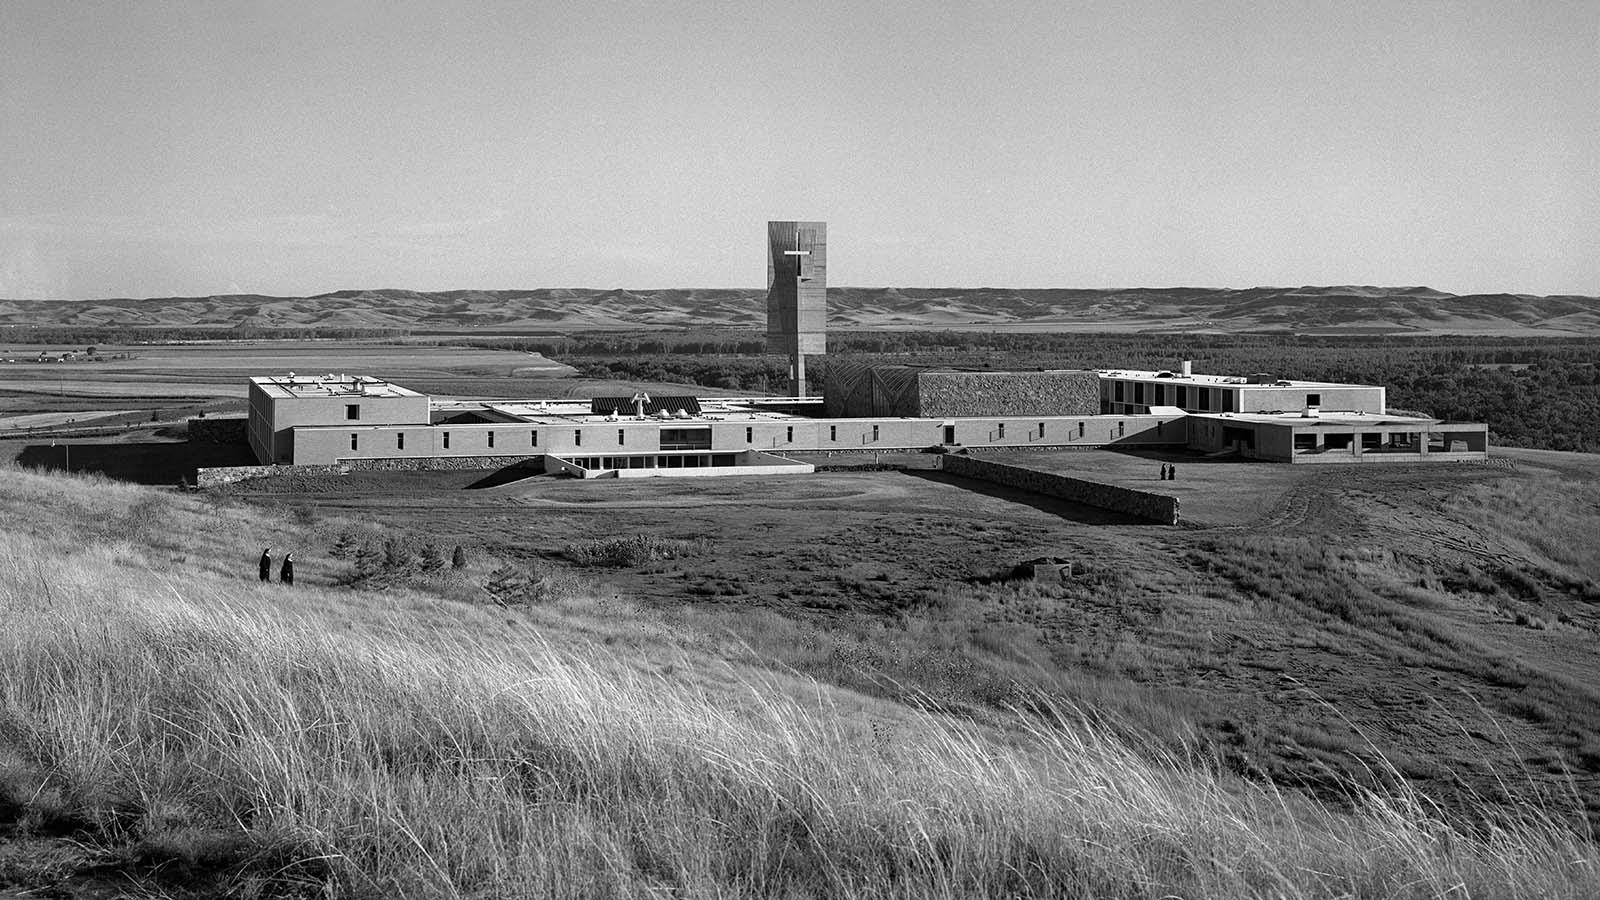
<point>198,727</point>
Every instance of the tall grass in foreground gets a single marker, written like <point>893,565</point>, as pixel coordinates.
<point>285,743</point>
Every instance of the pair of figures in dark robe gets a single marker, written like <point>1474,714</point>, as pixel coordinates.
<point>285,574</point>
<point>1168,472</point>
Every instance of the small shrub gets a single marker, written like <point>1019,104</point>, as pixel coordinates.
<point>458,557</point>
<point>636,550</point>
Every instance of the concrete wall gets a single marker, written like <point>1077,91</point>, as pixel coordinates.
<point>1238,397</point>
<point>309,412</point>
<point>1333,399</point>
<point>1160,508</point>
<point>320,445</point>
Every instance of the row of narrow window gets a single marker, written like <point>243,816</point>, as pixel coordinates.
<point>749,435</point>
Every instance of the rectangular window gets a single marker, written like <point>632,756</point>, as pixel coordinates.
<point>1305,442</point>
<point>1229,401</point>
<point>1202,398</point>
<point>447,440</point>
<point>352,411</point>
<point>533,438</point>
<point>874,432</point>
<point>352,442</point>
<point>400,441</point>
<point>833,432</point>
<point>491,438</point>
<point>577,437</point>
<point>1122,429</point>
<point>1080,429</point>
<point>1138,392</point>
<point>788,435</point>
<point>949,434</point>
<point>1183,397</point>
<point>1117,391</point>
<point>1000,431</point>
<point>1160,395</point>
<point>1313,399</point>
<point>622,437</point>
<point>1041,431</point>
<point>749,435</point>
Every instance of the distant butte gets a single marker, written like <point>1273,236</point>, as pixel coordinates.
<point>1344,309</point>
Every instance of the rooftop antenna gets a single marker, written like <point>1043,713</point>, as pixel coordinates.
<point>639,401</point>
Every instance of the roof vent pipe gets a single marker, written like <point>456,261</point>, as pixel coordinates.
<point>1186,368</point>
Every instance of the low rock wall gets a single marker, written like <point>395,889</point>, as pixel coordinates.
<point>1144,504</point>
<point>221,475</point>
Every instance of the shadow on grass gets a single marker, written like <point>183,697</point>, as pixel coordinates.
<point>1066,509</point>
<point>509,475</point>
<point>154,463</point>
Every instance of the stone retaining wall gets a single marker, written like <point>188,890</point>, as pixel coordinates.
<point>217,430</point>
<point>1144,504</point>
<point>221,475</point>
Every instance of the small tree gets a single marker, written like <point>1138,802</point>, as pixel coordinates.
<point>458,557</point>
<point>430,557</point>
<point>395,554</point>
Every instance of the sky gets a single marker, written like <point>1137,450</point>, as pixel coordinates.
<point>195,148</point>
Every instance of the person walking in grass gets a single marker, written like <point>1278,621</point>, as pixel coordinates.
<point>286,574</point>
<point>266,564</point>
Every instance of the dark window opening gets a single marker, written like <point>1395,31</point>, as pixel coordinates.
<point>533,438</point>
<point>874,432</point>
<point>1000,431</point>
<point>749,435</point>
<point>577,437</point>
<point>788,435</point>
<point>686,438</point>
<point>621,436</point>
<point>1203,398</point>
<point>1138,392</point>
<point>833,432</point>
<point>352,411</point>
<point>1122,429</point>
<point>1305,442</point>
<point>1313,399</point>
<point>1183,397</point>
<point>447,440</point>
<point>1116,391</point>
<point>1041,431</point>
<point>1080,429</point>
<point>491,438</point>
<point>949,434</point>
<point>400,441</point>
<point>352,442</point>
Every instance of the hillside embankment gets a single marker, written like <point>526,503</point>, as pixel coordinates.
<point>170,725</point>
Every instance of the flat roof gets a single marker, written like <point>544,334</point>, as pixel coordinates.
<point>581,412</point>
<point>302,387</point>
<point>1163,376</point>
<point>1371,420</point>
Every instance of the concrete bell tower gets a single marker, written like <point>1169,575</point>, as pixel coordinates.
<point>797,294</point>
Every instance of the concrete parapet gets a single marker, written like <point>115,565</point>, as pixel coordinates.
<point>1160,508</point>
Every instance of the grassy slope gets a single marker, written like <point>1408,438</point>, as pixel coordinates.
<point>190,727</point>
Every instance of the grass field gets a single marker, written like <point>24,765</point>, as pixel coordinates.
<point>1303,621</point>
<point>171,727</point>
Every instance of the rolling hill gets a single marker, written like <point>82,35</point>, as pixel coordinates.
<point>1345,309</point>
